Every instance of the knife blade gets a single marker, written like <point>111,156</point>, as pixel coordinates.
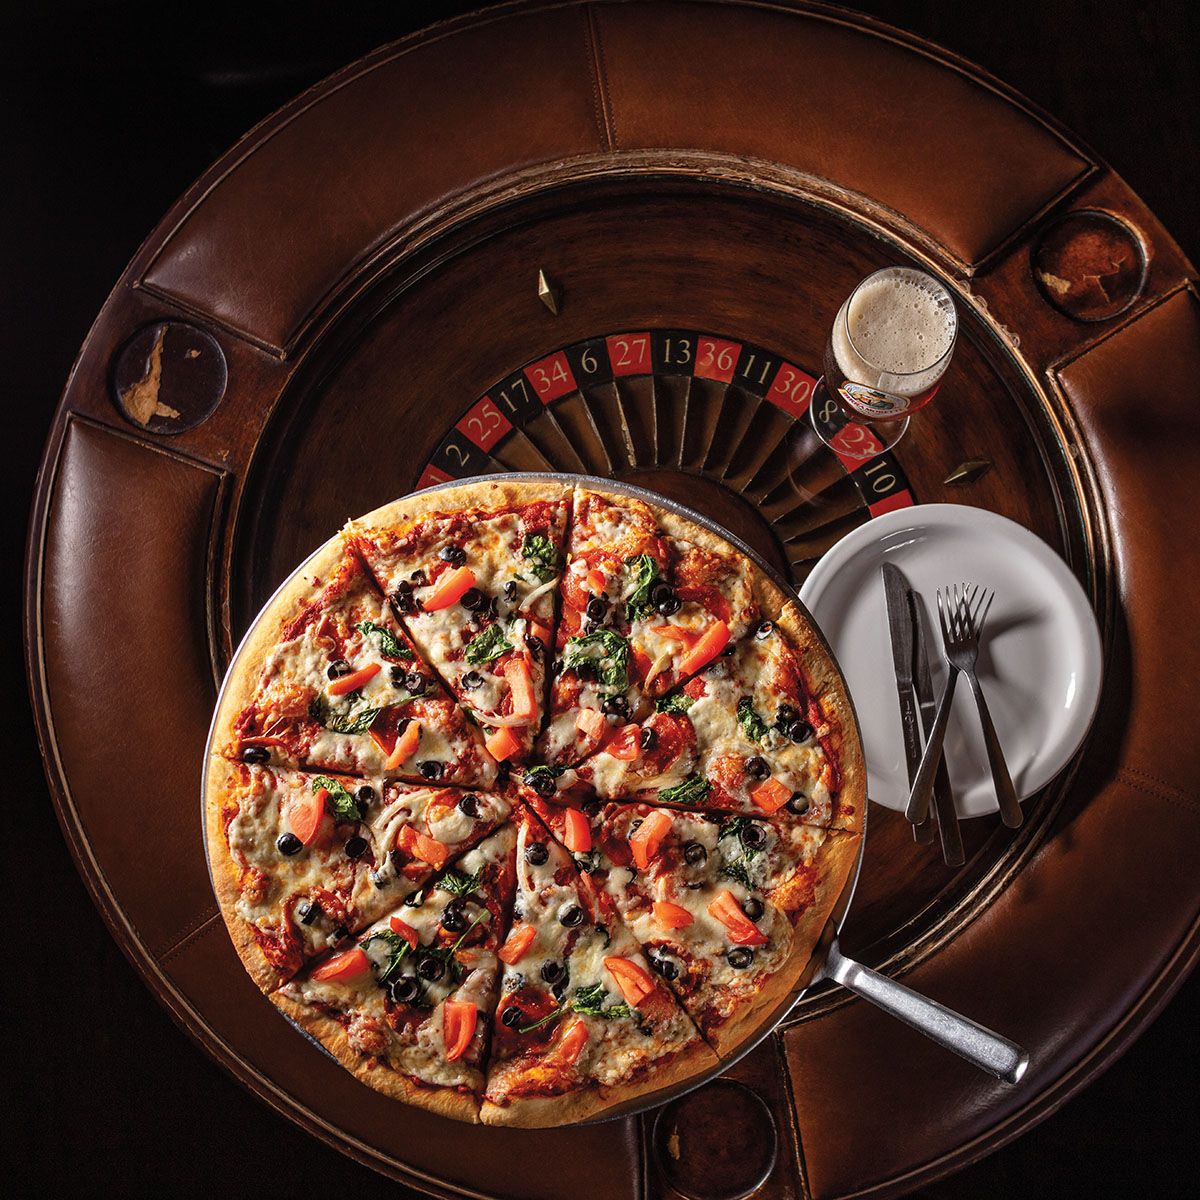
<point>943,797</point>
<point>900,629</point>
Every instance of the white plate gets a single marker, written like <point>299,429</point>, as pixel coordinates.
<point>1039,658</point>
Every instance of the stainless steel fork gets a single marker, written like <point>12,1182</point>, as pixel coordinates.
<point>961,614</point>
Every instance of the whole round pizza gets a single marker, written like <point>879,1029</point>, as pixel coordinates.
<point>529,798</point>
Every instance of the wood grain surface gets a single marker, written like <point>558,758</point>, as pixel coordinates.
<point>110,111</point>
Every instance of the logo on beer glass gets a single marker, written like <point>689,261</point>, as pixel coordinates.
<point>871,403</point>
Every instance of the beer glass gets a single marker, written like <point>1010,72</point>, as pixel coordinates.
<point>884,358</point>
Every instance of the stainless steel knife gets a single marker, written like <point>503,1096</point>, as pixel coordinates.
<point>900,628</point>
<point>943,797</point>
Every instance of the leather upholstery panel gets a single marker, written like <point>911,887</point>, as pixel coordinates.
<point>125,620</point>
<point>373,152</point>
<point>866,113</point>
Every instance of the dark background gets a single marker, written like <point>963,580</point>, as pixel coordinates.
<point>109,111</point>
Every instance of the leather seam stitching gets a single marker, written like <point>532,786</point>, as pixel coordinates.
<point>1142,781</point>
<point>187,933</point>
<point>600,90</point>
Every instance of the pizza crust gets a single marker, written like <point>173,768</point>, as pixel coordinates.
<point>835,859</point>
<point>445,1101</point>
<point>500,493</point>
<point>226,875</point>
<point>242,677</point>
<point>544,1112</point>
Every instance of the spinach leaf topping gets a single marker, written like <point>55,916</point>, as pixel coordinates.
<point>343,805</point>
<point>736,863</point>
<point>646,571</point>
<point>354,718</point>
<point>605,652</point>
<point>489,644</point>
<point>459,884</point>
<point>738,871</point>
<point>679,703</point>
<point>692,791</point>
<point>390,646</point>
<point>397,946</point>
<point>588,1001</point>
<point>754,727</point>
<point>544,559</point>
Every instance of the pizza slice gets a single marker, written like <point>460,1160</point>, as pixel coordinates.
<point>749,734</point>
<point>647,602</point>
<point>475,589</point>
<point>583,1023</point>
<point>408,1008</point>
<point>301,861</point>
<point>342,688</point>
<point>728,910</point>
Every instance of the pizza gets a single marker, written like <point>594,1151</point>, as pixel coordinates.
<point>528,800</point>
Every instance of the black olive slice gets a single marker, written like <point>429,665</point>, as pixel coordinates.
<point>402,599</point>
<point>572,917</point>
<point>340,934</point>
<point>356,846</point>
<point>541,782</point>
<point>660,590</point>
<point>419,577</point>
<point>649,739</point>
<point>338,668</point>
<point>799,804</point>
<point>695,853</point>
<point>617,706</point>
<point>512,1016</point>
<point>753,908</point>
<point>471,680</point>
<point>365,794</point>
<point>669,605</point>
<point>764,630</point>
<point>666,967</point>
<point>754,835</point>
<point>308,911</point>
<point>785,714</point>
<point>454,555</point>
<point>289,844</point>
<point>454,920</point>
<point>379,879</point>
<point>473,600</point>
<point>510,590</point>
<point>559,990</point>
<point>405,989</point>
<point>430,768</point>
<point>536,854</point>
<point>431,968</point>
<point>553,971</point>
<point>586,671</point>
<point>799,731</point>
<point>256,754</point>
<point>415,899</point>
<point>469,805</point>
<point>740,957</point>
<point>596,609</point>
<point>757,767</point>
<point>534,646</point>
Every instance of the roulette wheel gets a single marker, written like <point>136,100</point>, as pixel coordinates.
<point>604,282</point>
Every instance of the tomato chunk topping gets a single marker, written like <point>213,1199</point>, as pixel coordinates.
<point>346,965</point>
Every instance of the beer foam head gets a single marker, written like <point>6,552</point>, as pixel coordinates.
<point>901,321</point>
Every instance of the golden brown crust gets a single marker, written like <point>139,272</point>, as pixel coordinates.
<point>241,680</point>
<point>835,862</point>
<point>544,1112</point>
<point>445,1101</point>
<point>825,681</point>
<point>222,786</point>
<point>501,493</point>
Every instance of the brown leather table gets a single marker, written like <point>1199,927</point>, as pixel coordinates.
<point>317,334</point>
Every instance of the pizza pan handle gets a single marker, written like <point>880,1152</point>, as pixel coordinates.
<point>987,1050</point>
